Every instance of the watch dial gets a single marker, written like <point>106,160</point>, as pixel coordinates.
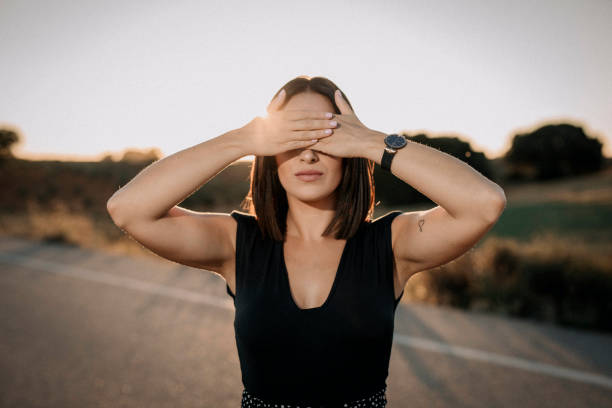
<point>395,141</point>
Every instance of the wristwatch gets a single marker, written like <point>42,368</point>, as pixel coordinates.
<point>393,143</point>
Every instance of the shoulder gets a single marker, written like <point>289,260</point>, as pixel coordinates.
<point>383,224</point>
<point>246,225</point>
<point>391,226</point>
<point>244,221</point>
<point>381,229</point>
<point>390,229</point>
<point>242,216</point>
<point>386,218</point>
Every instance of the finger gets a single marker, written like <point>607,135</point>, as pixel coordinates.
<point>312,124</point>
<point>312,134</point>
<point>342,103</point>
<point>307,114</point>
<point>297,144</point>
<point>277,101</point>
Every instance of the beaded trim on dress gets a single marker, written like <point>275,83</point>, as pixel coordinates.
<point>377,400</point>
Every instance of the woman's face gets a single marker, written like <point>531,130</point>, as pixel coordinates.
<point>291,162</point>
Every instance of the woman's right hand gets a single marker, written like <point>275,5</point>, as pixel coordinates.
<point>281,131</point>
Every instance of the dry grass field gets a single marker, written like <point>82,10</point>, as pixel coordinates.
<point>551,245</point>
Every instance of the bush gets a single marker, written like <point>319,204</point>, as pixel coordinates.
<point>553,151</point>
<point>547,279</point>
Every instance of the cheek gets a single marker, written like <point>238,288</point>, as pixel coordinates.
<point>282,160</point>
<point>280,165</point>
<point>337,172</point>
<point>284,173</point>
<point>282,168</point>
<point>338,167</point>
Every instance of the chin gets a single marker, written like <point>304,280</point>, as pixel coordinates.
<point>310,193</point>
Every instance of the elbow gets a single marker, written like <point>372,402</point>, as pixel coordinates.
<point>113,211</point>
<point>494,206</point>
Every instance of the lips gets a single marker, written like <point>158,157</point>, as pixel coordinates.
<point>308,173</point>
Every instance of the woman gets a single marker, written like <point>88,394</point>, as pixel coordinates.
<point>315,281</point>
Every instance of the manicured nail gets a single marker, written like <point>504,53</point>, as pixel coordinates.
<point>329,115</point>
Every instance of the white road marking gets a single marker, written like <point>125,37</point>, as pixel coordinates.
<point>404,340</point>
<point>500,359</point>
<point>120,281</point>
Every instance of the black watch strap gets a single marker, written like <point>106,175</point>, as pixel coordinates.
<point>387,158</point>
<point>393,143</point>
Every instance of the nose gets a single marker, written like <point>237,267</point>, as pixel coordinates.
<point>308,156</point>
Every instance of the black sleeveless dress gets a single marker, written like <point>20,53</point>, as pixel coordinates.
<point>334,355</point>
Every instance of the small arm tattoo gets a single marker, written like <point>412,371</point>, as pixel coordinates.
<point>421,222</point>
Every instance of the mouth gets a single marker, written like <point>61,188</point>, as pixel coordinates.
<point>309,175</point>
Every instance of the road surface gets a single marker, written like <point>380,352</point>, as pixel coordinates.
<point>82,328</point>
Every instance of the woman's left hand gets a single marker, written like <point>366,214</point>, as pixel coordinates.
<point>347,137</point>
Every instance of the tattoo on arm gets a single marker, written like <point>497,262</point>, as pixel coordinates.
<point>421,222</point>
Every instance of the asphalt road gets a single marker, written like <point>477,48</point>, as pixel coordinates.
<point>81,328</point>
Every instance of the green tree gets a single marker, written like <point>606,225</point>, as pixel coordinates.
<point>8,138</point>
<point>553,151</point>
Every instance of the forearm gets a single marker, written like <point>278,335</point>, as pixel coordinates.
<point>447,181</point>
<point>167,182</point>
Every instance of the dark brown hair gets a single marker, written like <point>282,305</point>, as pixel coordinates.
<point>267,199</point>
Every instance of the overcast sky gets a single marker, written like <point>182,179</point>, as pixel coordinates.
<point>85,77</point>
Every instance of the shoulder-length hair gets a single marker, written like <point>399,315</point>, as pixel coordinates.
<point>267,198</point>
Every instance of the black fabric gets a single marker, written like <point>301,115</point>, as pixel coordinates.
<point>337,352</point>
<point>376,400</point>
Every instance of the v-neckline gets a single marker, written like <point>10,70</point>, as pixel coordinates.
<point>339,270</point>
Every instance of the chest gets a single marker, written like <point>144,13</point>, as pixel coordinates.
<point>312,269</point>
<point>333,293</point>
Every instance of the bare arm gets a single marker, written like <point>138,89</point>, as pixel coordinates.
<point>146,207</point>
<point>166,182</point>
<point>469,204</point>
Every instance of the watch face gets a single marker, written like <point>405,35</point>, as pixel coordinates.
<point>395,141</point>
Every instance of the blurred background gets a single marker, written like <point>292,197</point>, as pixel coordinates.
<point>96,91</point>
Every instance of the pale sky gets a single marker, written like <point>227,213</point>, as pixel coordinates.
<point>83,77</point>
